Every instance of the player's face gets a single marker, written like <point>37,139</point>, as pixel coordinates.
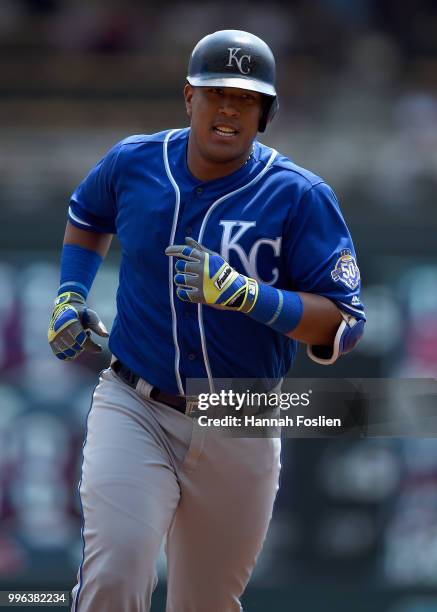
<point>224,122</point>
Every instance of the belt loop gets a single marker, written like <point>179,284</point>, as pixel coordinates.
<point>191,405</point>
<point>144,388</point>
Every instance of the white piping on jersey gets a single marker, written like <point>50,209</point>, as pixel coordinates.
<point>352,308</point>
<point>76,218</point>
<point>170,261</point>
<point>202,229</point>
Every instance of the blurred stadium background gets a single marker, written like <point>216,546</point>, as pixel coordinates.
<point>356,521</point>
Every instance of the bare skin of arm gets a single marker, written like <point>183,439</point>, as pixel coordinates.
<point>92,241</point>
<point>320,319</point>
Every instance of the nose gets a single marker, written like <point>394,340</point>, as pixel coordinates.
<point>228,107</point>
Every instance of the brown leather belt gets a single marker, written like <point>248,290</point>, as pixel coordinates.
<point>177,402</point>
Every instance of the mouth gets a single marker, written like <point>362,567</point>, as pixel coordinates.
<point>225,131</point>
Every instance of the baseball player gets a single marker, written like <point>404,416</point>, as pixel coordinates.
<point>230,255</point>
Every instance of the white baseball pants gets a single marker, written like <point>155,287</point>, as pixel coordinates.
<point>149,471</point>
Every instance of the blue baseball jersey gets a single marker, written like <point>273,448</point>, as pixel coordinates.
<point>270,219</point>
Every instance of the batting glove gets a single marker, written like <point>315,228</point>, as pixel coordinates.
<point>69,330</point>
<point>204,277</point>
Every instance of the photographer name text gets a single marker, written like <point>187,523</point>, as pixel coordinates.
<point>253,421</point>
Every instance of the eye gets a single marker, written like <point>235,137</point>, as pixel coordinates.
<point>216,91</point>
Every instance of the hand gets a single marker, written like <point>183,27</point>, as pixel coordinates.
<point>204,277</point>
<point>69,327</point>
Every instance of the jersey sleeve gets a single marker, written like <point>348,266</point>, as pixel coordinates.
<point>320,255</point>
<point>93,203</point>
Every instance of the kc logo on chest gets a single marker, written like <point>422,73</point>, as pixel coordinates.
<point>232,233</point>
<point>239,59</point>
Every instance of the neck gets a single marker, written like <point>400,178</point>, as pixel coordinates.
<point>208,170</point>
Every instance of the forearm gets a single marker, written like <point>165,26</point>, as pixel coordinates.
<point>92,241</point>
<point>319,321</point>
<point>308,318</point>
<point>81,257</point>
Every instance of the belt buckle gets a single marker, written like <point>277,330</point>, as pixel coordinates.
<point>191,404</point>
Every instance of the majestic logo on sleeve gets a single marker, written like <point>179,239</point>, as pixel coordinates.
<point>346,270</point>
<point>233,57</point>
<point>249,261</point>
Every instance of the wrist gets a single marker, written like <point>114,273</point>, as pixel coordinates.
<point>251,295</point>
<point>68,296</point>
<point>281,310</point>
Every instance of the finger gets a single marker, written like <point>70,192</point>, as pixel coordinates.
<point>72,352</point>
<point>176,250</point>
<point>199,247</point>
<point>192,267</point>
<point>91,320</point>
<point>69,342</point>
<point>81,337</point>
<point>186,295</point>
<point>193,243</point>
<point>68,353</point>
<point>184,252</point>
<point>91,346</point>
<point>73,348</point>
<point>62,356</point>
<point>184,280</point>
<point>67,338</point>
<point>188,267</point>
<point>181,265</point>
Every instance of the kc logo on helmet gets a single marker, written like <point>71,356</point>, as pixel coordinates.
<point>233,51</point>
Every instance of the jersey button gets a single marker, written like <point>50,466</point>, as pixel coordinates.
<point>192,356</point>
<point>199,190</point>
<point>188,231</point>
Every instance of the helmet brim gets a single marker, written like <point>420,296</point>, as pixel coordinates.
<point>212,80</point>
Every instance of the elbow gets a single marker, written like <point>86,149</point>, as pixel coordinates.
<point>347,336</point>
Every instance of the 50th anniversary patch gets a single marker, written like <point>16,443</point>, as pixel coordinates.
<point>346,270</point>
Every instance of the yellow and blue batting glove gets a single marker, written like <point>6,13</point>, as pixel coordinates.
<point>69,330</point>
<point>204,277</point>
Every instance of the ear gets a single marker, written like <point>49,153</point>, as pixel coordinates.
<point>188,95</point>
